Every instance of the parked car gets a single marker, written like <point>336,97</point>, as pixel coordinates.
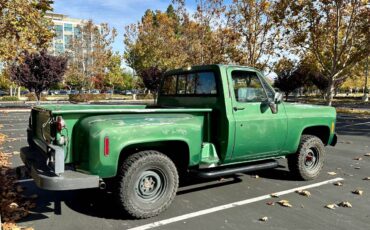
<point>231,121</point>
<point>63,92</point>
<point>24,92</point>
<point>74,92</point>
<point>94,91</point>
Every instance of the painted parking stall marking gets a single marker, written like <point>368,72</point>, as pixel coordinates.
<point>231,205</point>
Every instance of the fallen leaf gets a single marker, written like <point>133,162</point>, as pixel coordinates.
<point>304,193</point>
<point>264,219</point>
<point>345,204</point>
<point>332,173</point>
<point>358,167</point>
<point>367,154</point>
<point>331,206</point>
<point>270,203</point>
<point>357,158</point>
<point>285,203</point>
<point>16,153</point>
<point>358,192</point>
<point>13,205</point>
<point>274,195</point>
<point>255,176</point>
<point>338,183</point>
<point>367,178</point>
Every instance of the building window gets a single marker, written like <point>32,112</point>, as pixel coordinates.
<point>68,41</point>
<point>59,48</point>
<point>77,32</point>
<point>68,27</point>
<point>58,32</point>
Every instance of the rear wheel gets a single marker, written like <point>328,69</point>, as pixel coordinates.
<point>308,161</point>
<point>147,184</point>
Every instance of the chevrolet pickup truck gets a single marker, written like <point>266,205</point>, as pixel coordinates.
<point>209,121</point>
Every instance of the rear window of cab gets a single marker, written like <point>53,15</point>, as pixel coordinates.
<point>192,84</point>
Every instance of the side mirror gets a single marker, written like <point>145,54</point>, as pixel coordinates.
<point>278,98</point>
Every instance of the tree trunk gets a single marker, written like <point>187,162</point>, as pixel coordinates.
<point>330,92</point>
<point>38,96</point>
<point>19,92</point>
<point>286,96</point>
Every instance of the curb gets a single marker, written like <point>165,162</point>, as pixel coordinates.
<point>15,111</point>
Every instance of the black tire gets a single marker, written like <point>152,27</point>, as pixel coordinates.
<point>147,184</point>
<point>309,159</point>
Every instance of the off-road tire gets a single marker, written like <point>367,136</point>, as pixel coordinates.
<point>308,161</point>
<point>147,184</point>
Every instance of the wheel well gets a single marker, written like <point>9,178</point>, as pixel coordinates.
<point>177,151</point>
<point>322,132</point>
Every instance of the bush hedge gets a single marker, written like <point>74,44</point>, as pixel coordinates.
<point>86,97</point>
<point>10,98</point>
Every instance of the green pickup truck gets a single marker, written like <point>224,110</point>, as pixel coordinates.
<point>209,121</point>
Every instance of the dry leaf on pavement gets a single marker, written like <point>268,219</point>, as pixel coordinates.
<point>265,218</point>
<point>358,192</point>
<point>338,183</point>
<point>331,206</point>
<point>274,195</point>
<point>304,193</point>
<point>255,176</point>
<point>357,158</point>
<point>332,173</point>
<point>367,154</point>
<point>345,204</point>
<point>285,203</point>
<point>367,178</point>
<point>270,203</point>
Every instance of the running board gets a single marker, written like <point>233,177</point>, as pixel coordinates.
<point>227,171</point>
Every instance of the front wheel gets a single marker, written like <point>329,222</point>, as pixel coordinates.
<point>147,184</point>
<point>308,161</point>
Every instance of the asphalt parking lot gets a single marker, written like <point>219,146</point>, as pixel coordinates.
<point>201,205</point>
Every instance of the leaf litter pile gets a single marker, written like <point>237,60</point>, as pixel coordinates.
<point>13,204</point>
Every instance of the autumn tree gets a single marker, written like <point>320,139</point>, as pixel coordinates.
<point>89,54</point>
<point>259,25</point>
<point>335,32</point>
<point>38,71</point>
<point>23,27</point>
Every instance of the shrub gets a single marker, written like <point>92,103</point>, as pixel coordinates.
<point>32,97</point>
<point>86,97</point>
<point>10,98</point>
<point>144,96</point>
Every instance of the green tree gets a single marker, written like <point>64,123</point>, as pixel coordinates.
<point>23,27</point>
<point>335,33</point>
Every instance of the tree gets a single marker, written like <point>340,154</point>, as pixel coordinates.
<point>260,29</point>
<point>335,32</point>
<point>38,71</point>
<point>23,27</point>
<point>116,76</point>
<point>174,39</point>
<point>151,78</point>
<point>289,77</point>
<point>89,54</point>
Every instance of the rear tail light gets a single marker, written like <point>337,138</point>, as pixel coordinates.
<point>60,124</point>
<point>106,146</point>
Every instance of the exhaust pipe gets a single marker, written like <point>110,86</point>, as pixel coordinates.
<point>102,185</point>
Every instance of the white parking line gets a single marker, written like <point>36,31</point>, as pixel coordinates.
<point>231,205</point>
<point>363,123</point>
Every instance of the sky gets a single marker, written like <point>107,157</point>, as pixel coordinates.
<point>117,13</point>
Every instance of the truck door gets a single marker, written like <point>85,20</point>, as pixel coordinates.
<point>258,131</point>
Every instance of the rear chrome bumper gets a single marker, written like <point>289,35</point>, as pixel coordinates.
<point>52,175</point>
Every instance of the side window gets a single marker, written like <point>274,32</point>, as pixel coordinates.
<point>247,87</point>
